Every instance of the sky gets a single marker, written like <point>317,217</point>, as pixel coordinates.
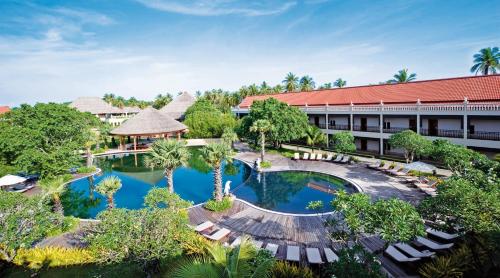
<point>60,50</point>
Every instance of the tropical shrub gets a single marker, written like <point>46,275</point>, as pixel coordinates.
<point>37,258</point>
<point>355,262</point>
<point>412,143</point>
<point>206,121</point>
<point>283,269</point>
<point>455,264</point>
<point>86,170</point>
<point>343,142</point>
<point>265,164</point>
<point>219,206</point>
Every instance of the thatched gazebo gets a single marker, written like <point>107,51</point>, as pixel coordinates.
<point>177,107</point>
<point>149,123</point>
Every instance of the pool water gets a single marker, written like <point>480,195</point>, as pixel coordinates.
<point>281,191</point>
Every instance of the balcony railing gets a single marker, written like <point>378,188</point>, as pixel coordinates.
<point>366,128</point>
<point>339,127</point>
<point>442,133</point>
<point>398,129</point>
<point>484,135</point>
<point>322,126</point>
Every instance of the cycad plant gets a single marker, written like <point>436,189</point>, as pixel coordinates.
<point>54,188</point>
<point>262,127</point>
<point>486,61</point>
<point>214,154</point>
<point>108,187</point>
<point>168,154</point>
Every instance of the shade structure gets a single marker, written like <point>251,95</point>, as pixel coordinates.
<point>11,180</point>
<point>421,167</point>
<point>94,105</point>
<point>177,107</point>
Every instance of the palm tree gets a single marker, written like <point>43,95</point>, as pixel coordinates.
<point>326,86</point>
<point>277,89</point>
<point>264,88</point>
<point>262,127</point>
<point>92,138</point>
<point>403,77</point>
<point>307,83</point>
<point>54,188</point>
<point>168,154</point>
<point>229,136</point>
<point>214,154</point>
<point>340,83</point>
<point>486,61</point>
<point>314,136</point>
<point>291,82</point>
<point>108,187</point>
<point>226,262</point>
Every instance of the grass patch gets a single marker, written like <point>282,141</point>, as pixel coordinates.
<point>216,206</point>
<point>282,151</point>
<point>86,170</point>
<point>265,164</point>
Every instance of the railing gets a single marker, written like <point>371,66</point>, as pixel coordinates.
<point>484,135</point>
<point>322,126</point>
<point>442,133</point>
<point>339,127</point>
<point>397,129</point>
<point>366,128</point>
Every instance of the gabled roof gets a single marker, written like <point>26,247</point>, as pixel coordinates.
<point>149,122</point>
<point>474,88</point>
<point>4,109</point>
<point>177,107</point>
<point>94,105</point>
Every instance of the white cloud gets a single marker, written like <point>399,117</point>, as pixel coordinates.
<point>220,7</point>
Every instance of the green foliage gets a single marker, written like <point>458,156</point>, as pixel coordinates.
<point>455,264</point>
<point>355,262</point>
<point>206,121</point>
<point>162,198</point>
<point>214,154</point>
<point>403,77</point>
<point>307,83</point>
<point>161,100</point>
<point>7,169</point>
<point>412,143</point>
<point>108,187</point>
<point>36,258</point>
<point>343,142</point>
<point>262,127</point>
<point>291,82</point>
<point>340,83</point>
<point>486,61</point>
<point>219,206</point>
<point>44,138</point>
<point>265,164</point>
<point>229,136</point>
<point>121,102</point>
<point>315,205</point>
<point>86,170</point>
<point>314,136</point>
<point>283,269</point>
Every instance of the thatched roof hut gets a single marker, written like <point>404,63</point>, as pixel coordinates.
<point>177,107</point>
<point>149,122</point>
<point>94,105</point>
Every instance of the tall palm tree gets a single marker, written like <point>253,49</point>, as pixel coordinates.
<point>277,89</point>
<point>264,88</point>
<point>108,187</point>
<point>168,154</point>
<point>92,138</point>
<point>403,77</point>
<point>307,83</point>
<point>314,136</point>
<point>291,82</point>
<point>214,154</point>
<point>486,61</point>
<point>226,262</point>
<point>253,90</point>
<point>54,188</point>
<point>326,86</point>
<point>262,127</point>
<point>340,83</point>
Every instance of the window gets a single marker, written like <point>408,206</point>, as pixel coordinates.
<point>387,125</point>
<point>332,122</point>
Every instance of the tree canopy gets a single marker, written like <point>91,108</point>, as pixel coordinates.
<point>206,121</point>
<point>412,143</point>
<point>343,142</point>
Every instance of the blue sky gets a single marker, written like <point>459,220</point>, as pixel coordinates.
<point>59,50</point>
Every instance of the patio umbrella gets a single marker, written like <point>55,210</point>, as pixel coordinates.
<point>11,180</point>
<point>421,167</point>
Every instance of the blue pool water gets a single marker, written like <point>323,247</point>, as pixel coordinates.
<point>280,191</point>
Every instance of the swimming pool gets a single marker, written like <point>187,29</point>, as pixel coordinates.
<point>288,191</point>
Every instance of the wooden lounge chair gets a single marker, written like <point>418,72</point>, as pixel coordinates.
<point>330,255</point>
<point>374,165</point>
<point>305,156</point>
<point>329,157</point>
<point>396,169</point>
<point>236,242</point>
<point>398,256</point>
<point>219,235</point>
<point>313,156</point>
<point>319,156</point>
<point>204,226</point>
<point>429,191</point>
<point>440,234</point>
<point>401,173</point>
<point>313,256</point>
<point>293,253</point>
<point>345,159</point>
<point>424,183</point>
<point>338,158</point>
<point>408,249</point>
<point>273,248</point>
<point>296,156</point>
<point>384,167</point>
<point>433,245</point>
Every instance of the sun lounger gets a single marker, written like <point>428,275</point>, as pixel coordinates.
<point>204,226</point>
<point>398,256</point>
<point>319,156</point>
<point>338,158</point>
<point>401,173</point>
<point>305,156</point>
<point>374,165</point>
<point>440,234</point>
<point>220,234</point>
<point>385,167</point>
<point>273,248</point>
<point>257,243</point>
<point>293,253</point>
<point>394,170</point>
<point>345,159</point>
<point>425,184</point>
<point>296,156</point>
<point>329,157</point>
<point>429,191</point>
<point>433,245</point>
<point>330,255</point>
<point>408,249</point>
<point>236,242</point>
<point>313,156</point>
<point>313,256</point>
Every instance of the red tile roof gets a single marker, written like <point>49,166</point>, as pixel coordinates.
<point>4,109</point>
<point>474,88</point>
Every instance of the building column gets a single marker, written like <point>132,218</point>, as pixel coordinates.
<point>122,145</point>
<point>351,118</point>
<point>418,116</point>
<point>381,146</point>
<point>178,135</point>
<point>327,126</point>
<point>466,122</point>
<point>135,143</point>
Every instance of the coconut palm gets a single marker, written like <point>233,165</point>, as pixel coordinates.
<point>214,154</point>
<point>340,83</point>
<point>402,77</point>
<point>168,154</point>
<point>108,187</point>
<point>326,86</point>
<point>291,82</point>
<point>262,127</point>
<point>277,89</point>
<point>226,262</point>
<point>92,138</point>
<point>307,83</point>
<point>486,61</point>
<point>264,88</point>
<point>54,188</point>
<point>314,136</point>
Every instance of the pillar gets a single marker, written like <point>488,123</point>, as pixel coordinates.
<point>122,145</point>
<point>418,116</point>
<point>135,143</point>
<point>466,120</point>
<point>351,118</point>
<point>327,127</point>
<point>178,135</point>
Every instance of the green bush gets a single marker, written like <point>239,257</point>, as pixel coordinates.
<point>7,169</point>
<point>216,206</point>
<point>265,164</point>
<point>86,170</point>
<point>285,270</point>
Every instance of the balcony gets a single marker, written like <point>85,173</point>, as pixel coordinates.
<point>397,129</point>
<point>484,135</point>
<point>442,133</point>
<point>322,126</point>
<point>366,128</point>
<point>339,127</point>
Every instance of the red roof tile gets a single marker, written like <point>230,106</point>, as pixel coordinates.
<point>474,88</point>
<point>4,109</point>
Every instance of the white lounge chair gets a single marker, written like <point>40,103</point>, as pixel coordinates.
<point>313,156</point>
<point>257,243</point>
<point>296,156</point>
<point>220,234</point>
<point>293,253</point>
<point>273,248</point>
<point>338,158</point>
<point>319,156</point>
<point>440,234</point>
<point>414,252</point>
<point>345,159</point>
<point>401,173</point>
<point>305,156</point>
<point>313,256</point>
<point>330,255</point>
<point>204,226</point>
<point>433,245</point>
<point>329,157</point>
<point>398,256</point>
<point>236,242</point>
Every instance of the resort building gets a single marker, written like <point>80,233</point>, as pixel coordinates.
<point>105,111</point>
<point>4,109</point>
<point>178,106</point>
<point>463,110</point>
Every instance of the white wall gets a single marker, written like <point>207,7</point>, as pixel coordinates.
<point>339,120</point>
<point>485,125</point>
<point>371,145</point>
<point>449,124</point>
<point>322,119</point>
<point>370,121</point>
<point>398,122</point>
